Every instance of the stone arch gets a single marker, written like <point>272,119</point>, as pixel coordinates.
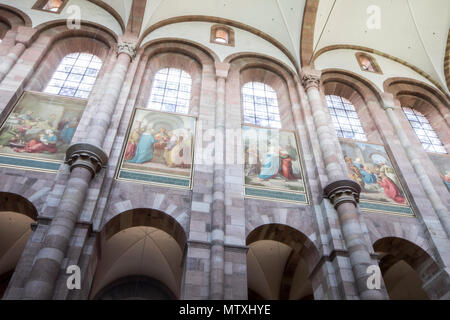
<point>298,252</point>
<point>360,92</point>
<point>17,203</point>
<point>30,191</point>
<point>427,100</point>
<point>393,250</point>
<point>127,241</point>
<point>192,58</point>
<point>144,217</point>
<point>223,21</point>
<point>16,216</point>
<point>246,67</point>
<point>307,35</point>
<point>14,17</point>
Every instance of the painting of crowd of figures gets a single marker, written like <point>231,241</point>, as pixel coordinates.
<point>381,188</point>
<point>38,131</point>
<point>272,167</point>
<point>159,149</point>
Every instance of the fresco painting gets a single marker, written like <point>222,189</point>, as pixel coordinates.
<point>40,127</point>
<point>370,166</point>
<point>272,161</point>
<point>159,144</point>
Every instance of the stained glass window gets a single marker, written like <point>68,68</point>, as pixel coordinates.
<point>345,119</point>
<point>75,76</point>
<point>427,136</point>
<point>260,105</point>
<point>171,91</point>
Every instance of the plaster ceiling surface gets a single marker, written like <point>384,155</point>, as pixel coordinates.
<point>266,260</point>
<point>142,251</point>
<point>413,30</point>
<point>281,19</point>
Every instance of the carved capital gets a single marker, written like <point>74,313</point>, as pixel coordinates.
<point>128,48</point>
<point>86,156</point>
<point>343,191</point>
<point>310,77</point>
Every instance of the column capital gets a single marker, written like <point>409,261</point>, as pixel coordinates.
<point>343,191</point>
<point>87,156</point>
<point>222,69</point>
<point>26,35</point>
<point>388,101</point>
<point>127,48</point>
<point>310,78</point>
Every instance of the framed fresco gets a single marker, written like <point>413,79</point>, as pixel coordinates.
<point>38,131</point>
<point>159,149</point>
<point>272,165</point>
<point>381,189</point>
<point>442,164</point>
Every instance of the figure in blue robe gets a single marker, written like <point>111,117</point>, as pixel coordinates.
<point>271,166</point>
<point>368,177</point>
<point>68,131</point>
<point>144,150</point>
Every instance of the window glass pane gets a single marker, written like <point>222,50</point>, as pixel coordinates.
<point>424,131</point>
<point>73,78</point>
<point>260,105</point>
<point>171,91</point>
<point>346,121</point>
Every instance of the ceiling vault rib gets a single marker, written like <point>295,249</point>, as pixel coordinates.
<point>385,55</point>
<point>321,33</point>
<point>287,28</point>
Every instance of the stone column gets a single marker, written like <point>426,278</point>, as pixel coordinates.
<point>438,206</point>
<point>102,119</point>
<point>343,193</point>
<point>85,160</point>
<point>218,213</point>
<point>24,37</point>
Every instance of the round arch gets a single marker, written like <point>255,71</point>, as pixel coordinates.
<point>249,67</point>
<point>14,17</point>
<point>409,272</point>
<point>16,216</point>
<point>285,253</point>
<point>144,246</point>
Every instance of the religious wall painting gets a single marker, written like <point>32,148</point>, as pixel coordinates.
<point>159,149</point>
<point>272,165</point>
<point>38,131</point>
<point>370,166</point>
<point>442,164</point>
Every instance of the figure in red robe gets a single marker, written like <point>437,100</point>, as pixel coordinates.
<point>286,166</point>
<point>390,189</point>
<point>46,142</point>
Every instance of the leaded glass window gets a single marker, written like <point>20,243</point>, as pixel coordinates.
<point>171,91</point>
<point>260,105</point>
<point>345,118</point>
<point>427,136</point>
<point>75,76</point>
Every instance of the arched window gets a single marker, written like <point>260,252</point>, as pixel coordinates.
<point>171,91</point>
<point>427,136</point>
<point>345,119</point>
<point>260,105</point>
<point>368,63</point>
<point>55,6</point>
<point>75,76</point>
<point>222,34</point>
